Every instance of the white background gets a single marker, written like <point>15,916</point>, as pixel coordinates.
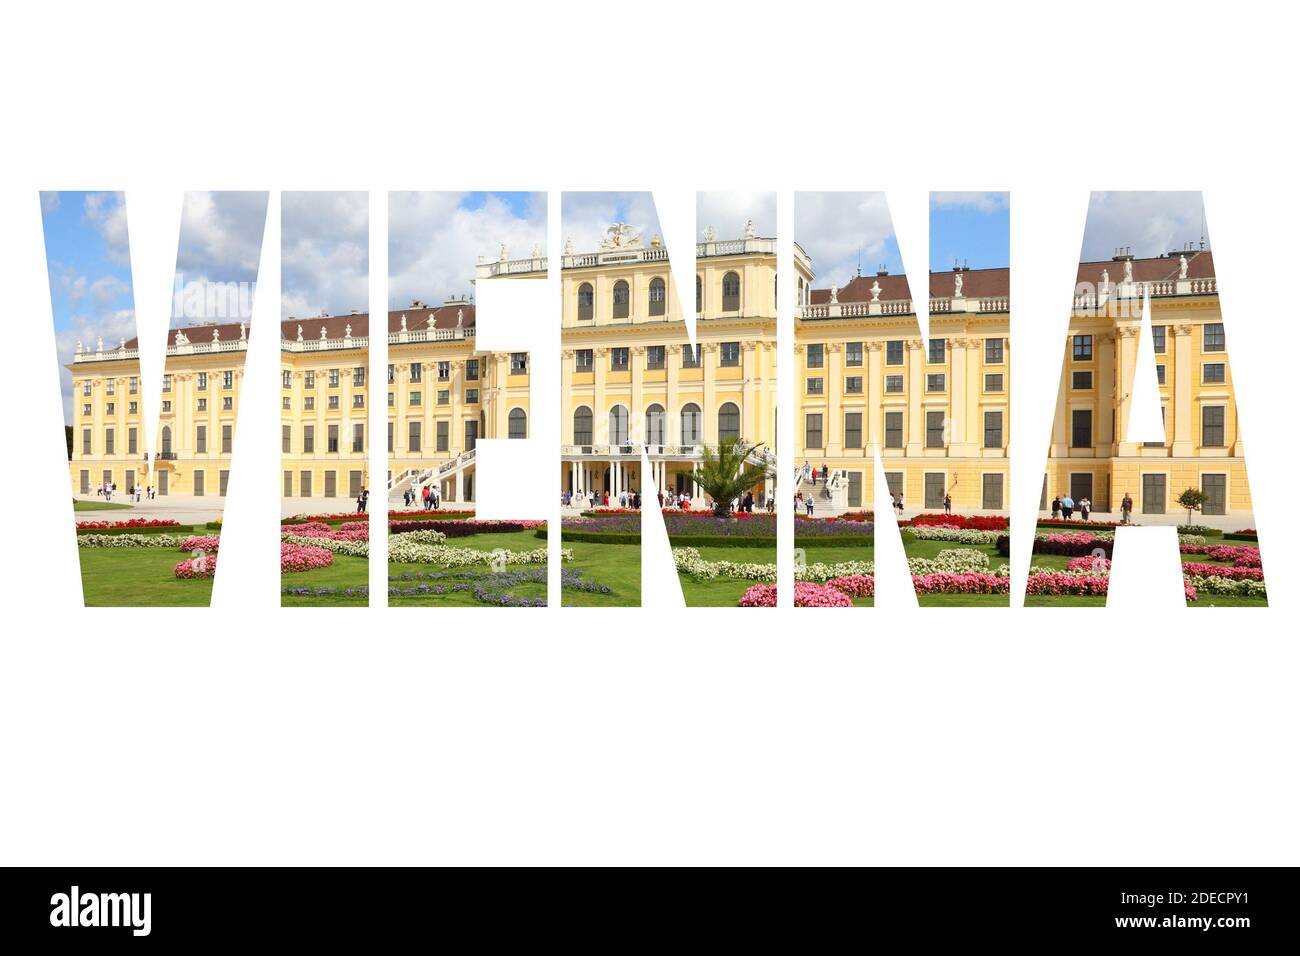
<point>247,734</point>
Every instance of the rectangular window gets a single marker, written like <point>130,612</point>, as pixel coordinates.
<point>111,408</point>
<point>812,431</point>
<point>1216,494</point>
<point>690,356</point>
<point>334,378</point>
<point>894,352</point>
<point>108,441</point>
<point>203,405</point>
<point>1080,381</point>
<point>934,429</point>
<point>1158,339</point>
<point>853,354</point>
<point>223,480</point>
<point>471,396</point>
<point>414,398</point>
<point>332,439</point>
<point>308,379</point>
<point>582,360</point>
<point>730,352</point>
<point>443,435</point>
<point>227,438</point>
<point>167,383</point>
<point>392,399</point>
<point>358,437</point>
<point>1160,374</point>
<point>200,480</point>
<point>1213,340</point>
<point>992,429</point>
<point>132,444</point>
<point>993,351</point>
<point>654,356</point>
<point>203,381</point>
<point>201,439</point>
<point>1212,426</point>
<point>85,388</point>
<point>85,409</point>
<point>1082,348</point>
<point>309,403</point>
<point>853,385</point>
<point>1153,494</point>
<point>1213,373</point>
<point>893,429</point>
<point>354,484</point>
<point>518,363</point>
<point>814,386</point>
<point>618,359</point>
<point>359,376</point>
<point>991,499</point>
<point>852,429</point>
<point>166,407</point>
<point>304,484</point>
<point>392,373</point>
<point>993,382</point>
<point>358,401</point>
<point>390,438</point>
<point>1081,428</point>
<point>934,489</point>
<point>413,437</point>
<point>228,379</point>
<point>308,439</point>
<point>935,382</point>
<point>444,396</point>
<point>444,372</point>
<point>471,370</point>
<point>417,371</point>
<point>334,402</point>
<point>110,386</point>
<point>816,355</point>
<point>287,491</point>
<point>85,441</point>
<point>938,350</point>
<point>228,403</point>
<point>331,484</point>
<point>286,439</point>
<point>894,482</point>
<point>132,408</point>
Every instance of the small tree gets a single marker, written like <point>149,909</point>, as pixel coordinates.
<point>1192,499</point>
<point>723,474</point>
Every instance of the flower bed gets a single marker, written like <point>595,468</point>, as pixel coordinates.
<point>461,529</point>
<point>1061,523</point>
<point>969,582</point>
<point>960,535</point>
<point>855,585</point>
<point>689,561</point>
<point>126,525</point>
<point>1055,583</point>
<point>201,542</point>
<point>805,595</point>
<point>1074,544</point>
<point>200,567</point>
<point>1241,556</point>
<point>402,550</point>
<point>973,522</point>
<point>295,556</point>
<point>1219,584</point>
<point>1201,569</point>
<point>94,540</point>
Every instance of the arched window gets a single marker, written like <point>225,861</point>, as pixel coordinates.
<point>699,295</point>
<point>622,300</point>
<point>618,425</point>
<point>655,422</point>
<point>731,292</point>
<point>728,422</point>
<point>690,424</point>
<point>518,423</point>
<point>582,426</point>
<point>586,302</point>
<point>658,297</point>
<point>167,440</point>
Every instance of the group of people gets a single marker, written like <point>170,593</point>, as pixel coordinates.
<point>108,489</point>
<point>812,474</point>
<point>1064,506</point>
<point>594,499</point>
<point>427,497</point>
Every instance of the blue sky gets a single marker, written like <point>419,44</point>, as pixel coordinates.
<point>974,228</point>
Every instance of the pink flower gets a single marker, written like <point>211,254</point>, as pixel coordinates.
<point>303,557</point>
<point>201,567</point>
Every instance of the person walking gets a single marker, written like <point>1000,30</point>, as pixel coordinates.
<point>1085,508</point>
<point>899,504</point>
<point>808,503</point>
<point>1067,507</point>
<point>1126,507</point>
<point>807,471</point>
<point>1056,507</point>
<point>826,474</point>
<point>947,504</point>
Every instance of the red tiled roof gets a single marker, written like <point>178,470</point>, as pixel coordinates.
<point>992,283</point>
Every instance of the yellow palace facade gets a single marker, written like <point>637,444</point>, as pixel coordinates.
<point>631,379</point>
<point>938,410</point>
<point>1202,446</point>
<point>200,402</point>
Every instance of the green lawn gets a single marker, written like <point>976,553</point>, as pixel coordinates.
<point>345,572</point>
<point>140,577</point>
<point>512,541</point>
<point>79,505</point>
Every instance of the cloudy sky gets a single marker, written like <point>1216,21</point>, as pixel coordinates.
<point>435,239</point>
<point>1150,223</point>
<point>726,212</point>
<point>88,257</point>
<point>584,217</point>
<point>325,253</point>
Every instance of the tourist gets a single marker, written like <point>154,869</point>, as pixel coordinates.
<point>947,504</point>
<point>361,501</point>
<point>1067,507</point>
<point>1056,507</point>
<point>807,471</point>
<point>826,473</point>
<point>899,504</point>
<point>771,504</point>
<point>1085,507</point>
<point>1126,507</point>
<point>808,504</point>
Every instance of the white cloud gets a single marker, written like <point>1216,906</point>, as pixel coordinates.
<point>113,326</point>
<point>1150,223</point>
<point>50,202</point>
<point>434,243</point>
<point>106,213</point>
<point>981,202</point>
<point>325,253</point>
<point>221,235</point>
<point>833,226</point>
<point>727,212</point>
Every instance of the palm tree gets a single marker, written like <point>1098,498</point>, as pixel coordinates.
<point>724,475</point>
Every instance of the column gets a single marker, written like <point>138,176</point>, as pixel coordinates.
<point>957,444</point>
<point>636,413</point>
<point>834,424</point>
<point>709,359</point>
<point>1181,406</point>
<point>1106,437</point>
<point>599,410</point>
<point>456,440</point>
<point>875,396</point>
<point>673,425</point>
<point>749,412</point>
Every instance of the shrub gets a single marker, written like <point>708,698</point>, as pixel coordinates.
<point>1199,529</point>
